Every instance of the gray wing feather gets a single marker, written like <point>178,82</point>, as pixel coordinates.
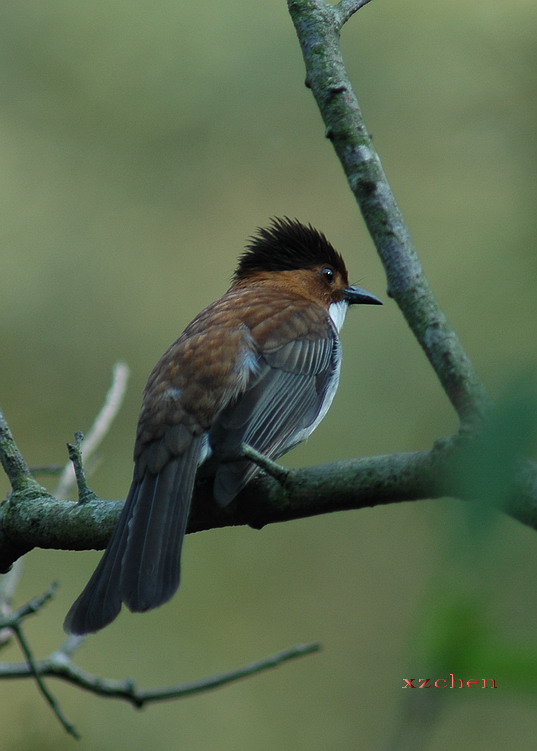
<point>301,355</point>
<point>272,415</point>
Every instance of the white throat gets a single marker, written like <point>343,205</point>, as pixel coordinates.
<point>337,312</point>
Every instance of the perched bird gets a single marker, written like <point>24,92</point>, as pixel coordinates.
<point>259,366</point>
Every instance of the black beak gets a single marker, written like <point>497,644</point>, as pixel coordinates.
<point>359,296</point>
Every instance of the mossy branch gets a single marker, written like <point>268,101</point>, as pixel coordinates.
<point>318,25</point>
<point>37,519</point>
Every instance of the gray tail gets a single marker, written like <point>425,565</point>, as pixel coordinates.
<point>141,565</point>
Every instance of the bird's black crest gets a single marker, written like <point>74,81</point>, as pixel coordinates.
<point>286,245</point>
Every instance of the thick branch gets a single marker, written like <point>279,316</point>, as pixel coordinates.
<point>39,520</point>
<point>46,522</point>
<point>318,25</point>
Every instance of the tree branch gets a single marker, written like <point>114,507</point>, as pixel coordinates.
<point>347,8</point>
<point>13,462</point>
<point>100,428</point>
<point>40,520</point>
<point>59,665</point>
<point>318,24</point>
<point>13,621</point>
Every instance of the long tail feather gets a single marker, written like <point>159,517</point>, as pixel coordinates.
<point>141,565</point>
<point>100,601</point>
<point>150,573</point>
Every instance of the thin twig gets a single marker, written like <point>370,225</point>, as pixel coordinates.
<point>59,665</point>
<point>347,8</point>
<point>12,460</point>
<point>47,694</point>
<point>101,426</point>
<point>13,621</point>
<point>8,585</point>
<point>32,607</point>
<point>275,470</point>
<point>85,494</point>
<point>47,469</point>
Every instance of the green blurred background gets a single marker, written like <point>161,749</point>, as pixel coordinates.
<point>141,144</point>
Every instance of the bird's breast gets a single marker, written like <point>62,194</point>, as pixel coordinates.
<point>337,312</point>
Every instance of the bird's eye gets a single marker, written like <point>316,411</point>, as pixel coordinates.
<point>328,274</point>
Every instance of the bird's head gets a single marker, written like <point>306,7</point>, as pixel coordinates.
<point>299,258</point>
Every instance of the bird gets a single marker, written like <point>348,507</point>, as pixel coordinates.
<point>260,366</point>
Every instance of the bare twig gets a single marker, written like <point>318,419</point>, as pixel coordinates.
<point>275,470</point>
<point>8,585</point>
<point>13,621</point>
<point>75,455</point>
<point>32,607</point>
<point>47,469</point>
<point>347,8</point>
<point>12,460</point>
<point>47,694</point>
<point>93,438</point>
<point>59,665</point>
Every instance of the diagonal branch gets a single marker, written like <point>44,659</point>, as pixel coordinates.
<point>318,25</point>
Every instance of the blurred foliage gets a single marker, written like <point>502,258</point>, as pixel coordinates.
<point>486,469</point>
<point>141,144</point>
